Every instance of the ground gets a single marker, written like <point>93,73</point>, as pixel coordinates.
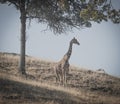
<point>39,86</point>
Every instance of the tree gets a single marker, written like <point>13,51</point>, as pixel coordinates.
<point>21,5</point>
<point>62,15</point>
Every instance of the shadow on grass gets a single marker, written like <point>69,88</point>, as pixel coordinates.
<point>13,91</point>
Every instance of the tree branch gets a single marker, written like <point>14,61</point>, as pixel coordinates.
<point>13,2</point>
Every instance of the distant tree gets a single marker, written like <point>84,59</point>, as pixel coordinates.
<point>62,15</point>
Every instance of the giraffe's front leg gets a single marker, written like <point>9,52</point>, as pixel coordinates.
<point>64,77</point>
<point>67,73</point>
<point>65,81</point>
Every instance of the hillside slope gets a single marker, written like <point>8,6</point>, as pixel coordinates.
<point>39,87</point>
<point>17,91</point>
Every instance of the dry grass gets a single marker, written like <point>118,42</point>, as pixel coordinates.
<point>39,86</point>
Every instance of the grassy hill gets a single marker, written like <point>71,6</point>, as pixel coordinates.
<point>39,86</point>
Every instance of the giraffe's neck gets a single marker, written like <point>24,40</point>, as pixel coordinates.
<point>68,54</point>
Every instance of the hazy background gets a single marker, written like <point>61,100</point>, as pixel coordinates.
<point>100,44</point>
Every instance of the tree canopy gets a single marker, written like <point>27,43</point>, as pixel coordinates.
<point>62,15</point>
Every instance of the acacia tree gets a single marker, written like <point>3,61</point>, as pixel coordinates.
<point>62,15</point>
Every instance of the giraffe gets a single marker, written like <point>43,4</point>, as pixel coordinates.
<point>62,67</point>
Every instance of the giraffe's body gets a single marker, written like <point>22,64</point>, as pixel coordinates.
<point>62,67</point>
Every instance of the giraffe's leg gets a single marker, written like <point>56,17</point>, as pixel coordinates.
<point>57,76</point>
<point>64,77</point>
<point>67,73</point>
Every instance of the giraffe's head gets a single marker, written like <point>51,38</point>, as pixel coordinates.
<point>75,41</point>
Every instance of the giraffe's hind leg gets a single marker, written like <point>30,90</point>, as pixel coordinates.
<point>57,77</point>
<point>62,79</point>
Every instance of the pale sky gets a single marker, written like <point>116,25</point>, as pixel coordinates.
<point>99,45</point>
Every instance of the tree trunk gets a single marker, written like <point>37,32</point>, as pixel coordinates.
<point>23,38</point>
